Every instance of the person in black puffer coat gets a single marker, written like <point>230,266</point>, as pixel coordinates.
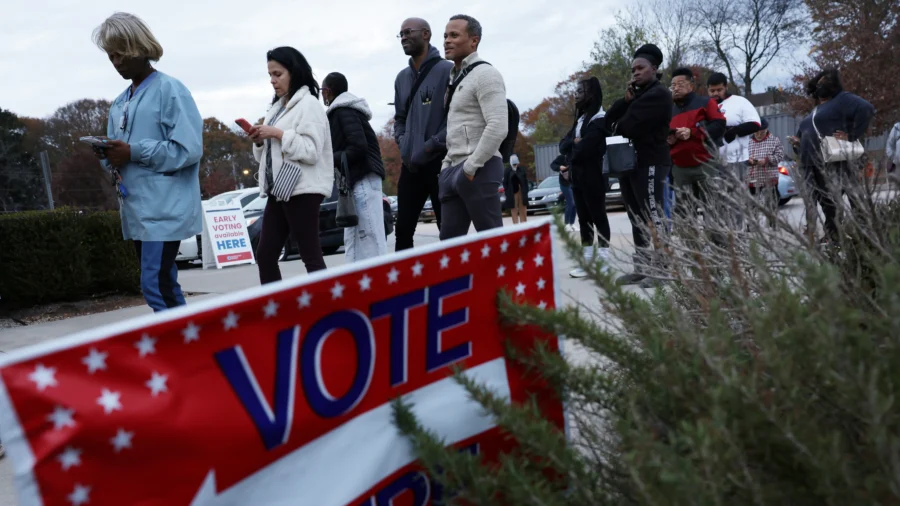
<point>643,116</point>
<point>585,147</point>
<point>353,137</point>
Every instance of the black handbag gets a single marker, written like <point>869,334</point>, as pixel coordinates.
<point>620,155</point>
<point>345,215</point>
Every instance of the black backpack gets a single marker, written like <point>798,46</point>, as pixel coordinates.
<point>508,144</point>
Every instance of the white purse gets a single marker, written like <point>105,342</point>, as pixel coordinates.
<point>836,150</point>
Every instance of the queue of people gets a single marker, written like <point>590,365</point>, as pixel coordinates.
<point>451,119</point>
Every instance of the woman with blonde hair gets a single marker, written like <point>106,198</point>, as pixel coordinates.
<point>153,145</point>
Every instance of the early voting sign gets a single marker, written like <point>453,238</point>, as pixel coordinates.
<point>225,237</point>
<point>281,394</point>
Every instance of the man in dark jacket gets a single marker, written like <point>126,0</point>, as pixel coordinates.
<point>420,127</point>
<point>695,131</point>
<point>561,165</point>
<point>643,116</point>
<point>354,142</point>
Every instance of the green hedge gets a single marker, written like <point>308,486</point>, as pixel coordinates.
<point>63,255</point>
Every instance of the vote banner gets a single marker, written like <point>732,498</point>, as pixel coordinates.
<point>281,394</point>
<point>226,240</point>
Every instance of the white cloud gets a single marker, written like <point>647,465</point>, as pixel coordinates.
<point>218,49</point>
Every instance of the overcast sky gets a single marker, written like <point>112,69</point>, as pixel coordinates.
<point>218,48</point>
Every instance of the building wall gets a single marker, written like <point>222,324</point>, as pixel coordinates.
<point>544,154</point>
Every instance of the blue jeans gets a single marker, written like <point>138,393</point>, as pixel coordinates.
<point>366,239</point>
<point>570,204</point>
<point>159,274</point>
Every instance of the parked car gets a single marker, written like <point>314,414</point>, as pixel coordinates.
<point>331,236</point>
<point>614,194</point>
<point>427,214</point>
<point>392,199</point>
<point>546,196</point>
<point>787,188</point>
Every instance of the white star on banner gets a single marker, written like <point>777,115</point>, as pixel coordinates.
<point>393,276</point>
<point>520,265</point>
<point>485,251</point>
<point>146,346</point>
<point>520,289</point>
<point>69,458</point>
<point>122,440</point>
<point>504,247</point>
<point>81,495</point>
<point>157,384</point>
<point>417,269</point>
<point>304,300</point>
<point>542,305</point>
<point>539,261</point>
<point>501,271</point>
<point>541,284</point>
<point>271,309</point>
<point>191,333</point>
<point>445,262</point>
<point>43,377</point>
<point>62,417</point>
<point>230,321</point>
<point>337,291</point>
<point>95,361</point>
<point>537,237</point>
<point>365,284</point>
<point>523,242</point>
<point>464,257</point>
<point>110,401</point>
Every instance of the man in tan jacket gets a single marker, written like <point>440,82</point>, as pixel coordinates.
<point>477,124</point>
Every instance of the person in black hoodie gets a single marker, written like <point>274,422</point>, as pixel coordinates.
<point>515,187</point>
<point>420,127</point>
<point>353,139</point>
<point>585,146</point>
<point>643,116</point>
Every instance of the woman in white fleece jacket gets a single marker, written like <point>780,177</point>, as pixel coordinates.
<point>293,147</point>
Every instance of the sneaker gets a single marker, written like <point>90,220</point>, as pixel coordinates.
<point>578,273</point>
<point>631,279</point>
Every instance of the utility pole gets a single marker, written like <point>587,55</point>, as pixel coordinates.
<point>45,165</point>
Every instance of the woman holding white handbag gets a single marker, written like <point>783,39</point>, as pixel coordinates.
<point>828,142</point>
<point>293,147</point>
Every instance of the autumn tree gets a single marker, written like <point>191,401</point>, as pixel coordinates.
<point>750,35</point>
<point>227,155</point>
<point>862,39</point>
<point>390,157</point>
<point>78,178</point>
<point>20,178</point>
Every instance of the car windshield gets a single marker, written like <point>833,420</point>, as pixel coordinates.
<point>550,182</point>
<point>257,205</point>
<point>225,198</point>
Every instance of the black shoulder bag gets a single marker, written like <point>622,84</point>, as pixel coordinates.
<point>423,73</point>
<point>452,88</point>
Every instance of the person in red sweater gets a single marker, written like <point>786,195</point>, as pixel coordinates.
<point>695,133</point>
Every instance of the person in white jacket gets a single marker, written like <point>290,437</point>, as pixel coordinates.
<point>892,151</point>
<point>293,147</point>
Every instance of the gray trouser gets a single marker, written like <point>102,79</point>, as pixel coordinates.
<point>737,170</point>
<point>465,202</point>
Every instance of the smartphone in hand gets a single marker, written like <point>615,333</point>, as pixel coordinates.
<point>244,124</point>
<point>96,142</point>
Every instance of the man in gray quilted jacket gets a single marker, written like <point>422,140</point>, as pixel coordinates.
<point>477,124</point>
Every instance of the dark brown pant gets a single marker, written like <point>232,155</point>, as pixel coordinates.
<point>299,218</point>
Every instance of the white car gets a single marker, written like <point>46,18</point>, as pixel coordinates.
<point>191,248</point>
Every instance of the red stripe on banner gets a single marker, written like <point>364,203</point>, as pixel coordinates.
<point>235,257</point>
<point>199,395</point>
